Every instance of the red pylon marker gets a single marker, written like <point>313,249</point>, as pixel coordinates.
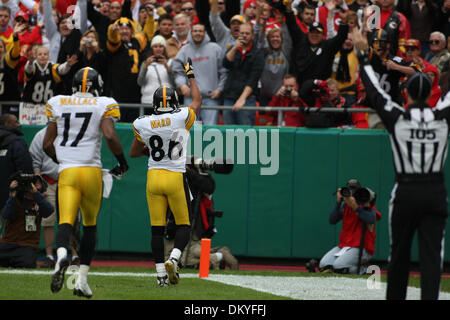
<point>204,258</point>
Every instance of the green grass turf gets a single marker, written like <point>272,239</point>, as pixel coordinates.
<point>37,287</point>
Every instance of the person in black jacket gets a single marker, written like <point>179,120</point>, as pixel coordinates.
<point>102,22</point>
<point>14,155</point>
<point>313,56</point>
<point>70,43</point>
<point>23,213</point>
<point>246,63</point>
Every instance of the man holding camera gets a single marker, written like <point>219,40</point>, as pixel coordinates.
<point>23,213</point>
<point>14,155</point>
<point>202,215</point>
<point>355,206</point>
<point>288,96</point>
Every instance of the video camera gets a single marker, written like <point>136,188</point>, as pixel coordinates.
<point>216,165</point>
<point>25,180</point>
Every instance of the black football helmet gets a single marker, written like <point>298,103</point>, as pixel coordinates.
<point>87,80</point>
<point>381,35</point>
<point>165,100</point>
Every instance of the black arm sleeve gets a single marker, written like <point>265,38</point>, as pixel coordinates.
<point>45,207</point>
<point>377,98</point>
<point>296,33</point>
<point>366,216</point>
<point>336,213</point>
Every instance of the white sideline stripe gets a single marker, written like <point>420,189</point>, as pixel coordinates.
<point>303,288</point>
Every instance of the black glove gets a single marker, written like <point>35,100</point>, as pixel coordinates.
<point>189,69</point>
<point>119,170</point>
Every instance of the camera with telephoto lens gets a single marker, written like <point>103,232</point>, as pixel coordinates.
<point>216,165</point>
<point>361,195</point>
<point>25,180</point>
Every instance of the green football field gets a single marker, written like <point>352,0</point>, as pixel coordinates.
<point>119,283</point>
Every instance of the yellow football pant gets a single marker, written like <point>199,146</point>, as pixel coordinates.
<point>80,187</point>
<point>166,188</point>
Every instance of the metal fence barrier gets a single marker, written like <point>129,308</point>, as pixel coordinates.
<point>279,110</point>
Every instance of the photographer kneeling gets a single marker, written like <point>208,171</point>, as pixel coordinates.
<point>355,206</point>
<point>23,213</point>
<point>202,216</point>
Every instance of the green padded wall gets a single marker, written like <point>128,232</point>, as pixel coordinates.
<point>283,215</point>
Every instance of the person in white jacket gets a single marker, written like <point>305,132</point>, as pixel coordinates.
<point>155,71</point>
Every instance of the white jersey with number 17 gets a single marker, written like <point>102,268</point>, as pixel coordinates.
<point>166,136</point>
<point>78,118</point>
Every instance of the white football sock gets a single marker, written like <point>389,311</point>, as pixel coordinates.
<point>175,254</point>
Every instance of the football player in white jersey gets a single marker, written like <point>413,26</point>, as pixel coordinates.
<point>76,124</point>
<point>163,137</point>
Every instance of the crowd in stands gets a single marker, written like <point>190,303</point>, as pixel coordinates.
<point>291,53</point>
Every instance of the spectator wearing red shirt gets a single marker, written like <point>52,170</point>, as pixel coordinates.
<point>288,96</point>
<point>63,6</point>
<point>436,92</point>
<point>28,37</point>
<point>395,24</point>
<point>360,119</point>
<point>307,17</point>
<point>358,214</point>
<point>328,15</point>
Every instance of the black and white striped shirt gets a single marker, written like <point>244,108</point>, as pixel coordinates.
<point>419,135</point>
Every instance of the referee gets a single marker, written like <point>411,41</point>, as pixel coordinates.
<point>418,202</point>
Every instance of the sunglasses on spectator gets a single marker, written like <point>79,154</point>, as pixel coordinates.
<point>221,3</point>
<point>20,20</point>
<point>435,41</point>
<point>187,9</point>
<point>411,48</point>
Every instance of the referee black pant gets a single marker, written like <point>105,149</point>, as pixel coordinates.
<point>421,207</point>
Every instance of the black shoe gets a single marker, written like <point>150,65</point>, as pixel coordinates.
<point>76,261</point>
<point>48,263</point>
<point>58,276</point>
<point>311,265</point>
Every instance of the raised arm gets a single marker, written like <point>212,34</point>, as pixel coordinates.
<point>377,98</point>
<point>195,91</point>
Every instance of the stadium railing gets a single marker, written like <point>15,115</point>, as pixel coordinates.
<point>279,110</point>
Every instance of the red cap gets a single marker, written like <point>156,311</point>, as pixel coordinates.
<point>249,3</point>
<point>412,43</point>
<point>23,15</point>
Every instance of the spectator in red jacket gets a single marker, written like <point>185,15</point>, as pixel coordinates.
<point>29,36</point>
<point>288,96</point>
<point>360,119</point>
<point>63,6</point>
<point>436,91</point>
<point>328,15</point>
